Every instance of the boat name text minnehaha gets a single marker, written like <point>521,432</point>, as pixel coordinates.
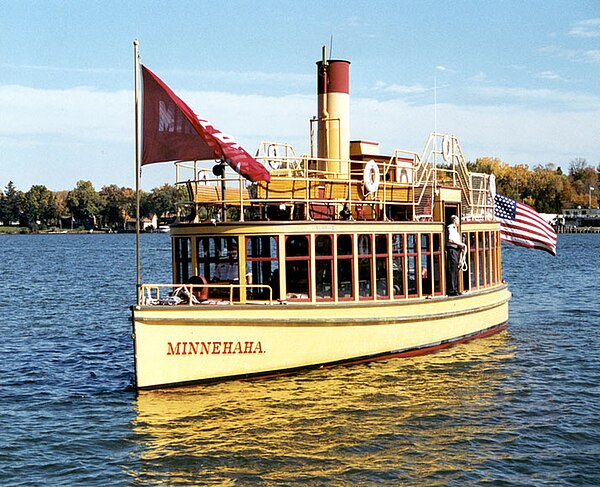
<point>213,348</point>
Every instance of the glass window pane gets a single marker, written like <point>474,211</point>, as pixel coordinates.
<point>344,245</point>
<point>323,245</point>
<point>296,246</point>
<point>398,280</point>
<point>381,276</point>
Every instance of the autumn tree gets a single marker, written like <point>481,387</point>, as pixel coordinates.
<point>583,178</point>
<point>545,188</point>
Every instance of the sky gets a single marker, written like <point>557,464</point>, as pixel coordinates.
<point>517,80</point>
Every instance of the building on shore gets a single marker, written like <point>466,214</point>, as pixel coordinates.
<point>578,220</point>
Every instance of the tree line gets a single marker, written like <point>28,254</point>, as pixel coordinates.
<point>110,208</point>
<point>546,188</point>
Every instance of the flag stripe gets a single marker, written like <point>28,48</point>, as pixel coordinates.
<point>526,230</point>
<point>522,225</point>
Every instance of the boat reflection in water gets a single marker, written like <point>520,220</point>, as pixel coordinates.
<point>408,420</point>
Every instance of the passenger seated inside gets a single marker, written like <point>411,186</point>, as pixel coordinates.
<point>227,269</point>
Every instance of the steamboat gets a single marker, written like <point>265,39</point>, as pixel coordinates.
<point>334,256</point>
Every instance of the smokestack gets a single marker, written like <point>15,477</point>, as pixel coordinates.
<point>333,105</point>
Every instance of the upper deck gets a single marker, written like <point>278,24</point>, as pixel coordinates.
<point>403,186</point>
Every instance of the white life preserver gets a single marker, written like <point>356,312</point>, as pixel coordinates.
<point>371,177</point>
<point>446,147</point>
<point>492,186</point>
<point>274,162</point>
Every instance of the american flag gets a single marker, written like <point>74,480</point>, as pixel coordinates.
<point>521,225</point>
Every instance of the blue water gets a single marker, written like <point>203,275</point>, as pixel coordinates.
<point>519,408</point>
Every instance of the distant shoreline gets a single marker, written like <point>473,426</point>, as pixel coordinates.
<point>5,230</point>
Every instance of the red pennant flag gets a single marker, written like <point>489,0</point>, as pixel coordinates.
<point>173,132</point>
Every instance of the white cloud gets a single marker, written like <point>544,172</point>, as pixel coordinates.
<point>246,77</point>
<point>56,137</point>
<point>574,55</point>
<point>550,75</point>
<point>479,77</point>
<point>522,96</point>
<point>588,29</point>
<point>400,89</point>
<point>78,113</point>
<point>61,69</point>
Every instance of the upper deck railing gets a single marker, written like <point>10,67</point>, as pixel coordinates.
<point>403,186</point>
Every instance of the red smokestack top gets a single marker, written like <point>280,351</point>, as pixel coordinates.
<point>334,77</point>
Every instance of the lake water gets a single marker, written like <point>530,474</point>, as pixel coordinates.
<point>519,408</point>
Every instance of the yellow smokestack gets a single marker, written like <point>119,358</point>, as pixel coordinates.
<point>333,105</point>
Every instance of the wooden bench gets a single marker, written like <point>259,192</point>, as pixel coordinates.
<point>282,189</point>
<point>205,194</point>
<point>328,197</point>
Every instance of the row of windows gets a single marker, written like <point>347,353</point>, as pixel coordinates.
<point>343,267</point>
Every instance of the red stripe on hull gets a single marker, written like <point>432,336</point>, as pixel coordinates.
<point>428,349</point>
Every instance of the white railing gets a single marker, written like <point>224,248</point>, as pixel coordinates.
<point>175,294</point>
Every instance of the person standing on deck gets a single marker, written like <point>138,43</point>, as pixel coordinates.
<point>454,245</point>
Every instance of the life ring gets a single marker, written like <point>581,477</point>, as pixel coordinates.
<point>272,156</point>
<point>446,147</point>
<point>371,177</point>
<point>492,188</point>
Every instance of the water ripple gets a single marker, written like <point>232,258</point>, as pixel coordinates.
<point>518,408</point>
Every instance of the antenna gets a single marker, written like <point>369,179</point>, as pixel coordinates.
<point>435,105</point>
<point>330,46</point>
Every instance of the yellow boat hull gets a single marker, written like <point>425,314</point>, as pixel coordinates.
<point>176,345</point>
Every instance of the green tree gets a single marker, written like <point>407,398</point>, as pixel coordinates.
<point>39,205</point>
<point>11,204</point>
<point>83,202</point>
<point>146,208</point>
<point>3,218</point>
<point>163,199</point>
<point>117,205</point>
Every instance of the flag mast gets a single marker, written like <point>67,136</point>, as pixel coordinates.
<point>137,168</point>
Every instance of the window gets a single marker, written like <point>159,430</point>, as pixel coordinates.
<point>489,249</point>
<point>365,267</point>
<point>426,265</point>
<point>344,267</point>
<point>297,268</point>
<point>262,267</point>
<point>437,263</point>
<point>381,266</point>
<point>217,259</point>
<point>398,265</point>
<point>495,259</point>
<point>324,267</point>
<point>473,266</point>
<point>481,258</point>
<point>412,264</point>
<point>183,259</point>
